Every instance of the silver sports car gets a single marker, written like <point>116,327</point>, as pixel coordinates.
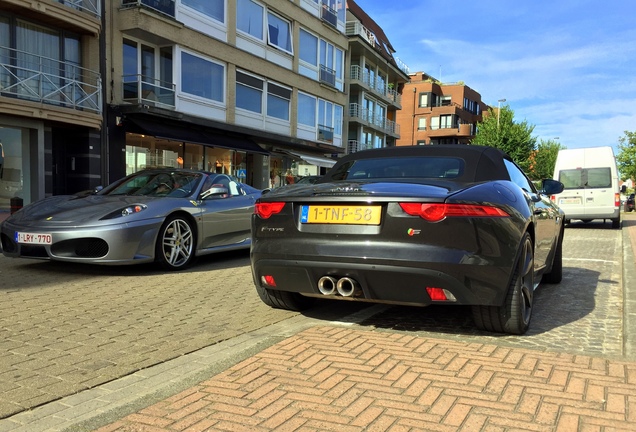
<point>164,215</point>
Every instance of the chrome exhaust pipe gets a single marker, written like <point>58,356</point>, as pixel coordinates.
<point>327,285</point>
<point>346,286</point>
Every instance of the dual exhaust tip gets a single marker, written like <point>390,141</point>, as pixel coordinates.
<point>345,286</point>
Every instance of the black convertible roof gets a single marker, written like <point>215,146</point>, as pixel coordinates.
<point>482,163</point>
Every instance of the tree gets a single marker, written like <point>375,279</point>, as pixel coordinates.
<point>544,159</point>
<point>626,158</point>
<point>498,129</point>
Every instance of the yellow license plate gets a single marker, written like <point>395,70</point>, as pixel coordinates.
<point>346,215</point>
<point>570,201</point>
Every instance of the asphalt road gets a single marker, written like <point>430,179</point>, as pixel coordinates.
<point>66,328</point>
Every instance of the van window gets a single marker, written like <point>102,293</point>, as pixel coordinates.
<point>586,178</point>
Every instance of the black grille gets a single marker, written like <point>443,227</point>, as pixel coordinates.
<point>81,248</point>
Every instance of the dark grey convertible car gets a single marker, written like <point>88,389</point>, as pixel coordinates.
<point>416,225</point>
<point>164,215</point>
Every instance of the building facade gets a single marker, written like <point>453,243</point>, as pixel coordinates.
<point>92,90</point>
<point>51,107</point>
<point>376,79</point>
<point>251,88</point>
<point>437,113</point>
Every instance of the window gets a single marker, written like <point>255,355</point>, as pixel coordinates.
<point>249,92</point>
<point>212,8</point>
<point>308,48</point>
<point>279,32</point>
<point>278,101</point>
<point>201,77</point>
<point>321,60</point>
<point>148,73</point>
<point>518,177</point>
<point>423,100</point>
<point>421,123</point>
<point>306,110</point>
<point>445,121</point>
<point>249,96</point>
<point>249,18</point>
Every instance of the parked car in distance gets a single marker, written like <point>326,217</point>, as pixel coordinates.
<point>629,203</point>
<point>420,225</point>
<point>168,216</point>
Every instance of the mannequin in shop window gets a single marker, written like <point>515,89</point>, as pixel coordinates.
<point>274,179</point>
<point>289,177</point>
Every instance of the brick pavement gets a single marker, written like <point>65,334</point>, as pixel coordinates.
<point>340,378</point>
<point>343,379</point>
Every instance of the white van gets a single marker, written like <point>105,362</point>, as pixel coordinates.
<point>591,189</point>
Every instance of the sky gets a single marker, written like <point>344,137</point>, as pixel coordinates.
<point>567,67</point>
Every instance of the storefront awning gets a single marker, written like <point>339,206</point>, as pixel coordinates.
<point>176,132</point>
<point>315,160</point>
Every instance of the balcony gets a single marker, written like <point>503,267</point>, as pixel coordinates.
<point>41,79</point>
<point>166,7</point>
<point>91,6</point>
<point>327,76</point>
<point>355,28</point>
<point>378,86</point>
<point>367,116</point>
<point>325,133</point>
<point>329,15</point>
<point>142,90</point>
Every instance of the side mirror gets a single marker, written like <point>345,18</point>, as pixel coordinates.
<point>214,192</point>
<point>552,187</point>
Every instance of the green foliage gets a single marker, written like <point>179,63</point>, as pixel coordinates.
<point>544,160</point>
<point>498,129</point>
<point>626,158</point>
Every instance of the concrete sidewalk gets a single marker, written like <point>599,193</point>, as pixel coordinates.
<point>309,375</point>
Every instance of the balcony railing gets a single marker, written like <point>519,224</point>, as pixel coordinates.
<point>368,116</point>
<point>378,85</point>
<point>328,14</point>
<point>164,6</point>
<point>90,6</point>
<point>355,28</point>
<point>143,90</point>
<point>327,75</point>
<point>325,133</point>
<point>42,79</point>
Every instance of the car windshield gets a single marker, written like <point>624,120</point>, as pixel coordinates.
<point>160,184</point>
<point>400,167</point>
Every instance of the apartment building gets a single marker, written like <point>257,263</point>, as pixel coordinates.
<point>376,80</point>
<point>252,88</point>
<point>51,106</point>
<point>437,113</point>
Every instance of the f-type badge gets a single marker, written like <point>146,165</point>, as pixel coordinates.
<point>413,232</point>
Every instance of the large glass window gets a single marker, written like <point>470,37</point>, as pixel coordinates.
<point>249,18</point>
<point>249,93</point>
<point>278,101</point>
<point>279,32</point>
<point>308,48</point>
<point>306,109</point>
<point>201,77</point>
<point>212,8</point>
<point>148,73</point>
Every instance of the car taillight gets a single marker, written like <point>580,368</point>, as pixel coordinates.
<point>617,200</point>
<point>266,209</point>
<point>435,212</point>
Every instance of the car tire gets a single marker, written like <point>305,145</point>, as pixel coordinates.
<point>176,243</point>
<point>556,273</point>
<point>513,316</point>
<point>284,299</point>
<point>616,223</point>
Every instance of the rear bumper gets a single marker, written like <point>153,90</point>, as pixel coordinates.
<point>470,284</point>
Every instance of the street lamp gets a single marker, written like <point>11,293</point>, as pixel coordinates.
<point>499,110</point>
